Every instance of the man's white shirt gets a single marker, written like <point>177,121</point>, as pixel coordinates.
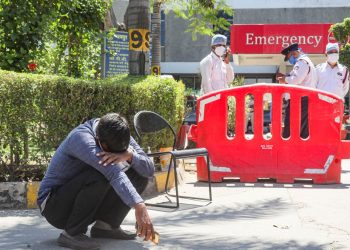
<point>303,73</point>
<point>216,74</point>
<point>334,80</point>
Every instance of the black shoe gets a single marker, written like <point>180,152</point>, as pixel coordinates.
<point>78,242</point>
<point>115,233</point>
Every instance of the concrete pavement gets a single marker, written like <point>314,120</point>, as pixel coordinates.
<point>241,216</point>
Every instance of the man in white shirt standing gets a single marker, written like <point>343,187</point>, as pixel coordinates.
<point>216,70</point>
<point>303,74</point>
<point>332,76</point>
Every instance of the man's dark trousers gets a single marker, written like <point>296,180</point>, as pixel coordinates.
<point>304,123</point>
<point>86,198</point>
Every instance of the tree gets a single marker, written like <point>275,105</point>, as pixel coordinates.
<point>22,28</point>
<point>63,36</point>
<point>341,32</point>
<point>76,31</point>
<point>137,22</point>
<point>202,15</point>
<point>155,29</point>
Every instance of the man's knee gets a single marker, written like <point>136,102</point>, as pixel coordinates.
<point>138,181</point>
<point>96,181</point>
<point>92,176</point>
<point>141,184</point>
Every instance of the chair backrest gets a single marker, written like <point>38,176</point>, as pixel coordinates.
<point>151,122</point>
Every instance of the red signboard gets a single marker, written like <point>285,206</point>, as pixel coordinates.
<point>272,38</point>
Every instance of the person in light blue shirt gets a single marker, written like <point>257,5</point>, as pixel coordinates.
<point>96,175</point>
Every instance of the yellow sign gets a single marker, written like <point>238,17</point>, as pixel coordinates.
<point>139,39</point>
<point>155,70</point>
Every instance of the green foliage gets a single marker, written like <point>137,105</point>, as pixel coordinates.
<point>22,27</point>
<point>203,15</point>
<point>156,90</point>
<point>341,32</point>
<point>64,37</point>
<point>238,81</point>
<point>231,117</point>
<point>38,111</point>
<point>74,38</point>
<point>344,56</point>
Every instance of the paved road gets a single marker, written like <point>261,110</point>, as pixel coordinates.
<point>242,216</point>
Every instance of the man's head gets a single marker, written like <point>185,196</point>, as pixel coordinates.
<point>291,52</point>
<point>218,44</point>
<point>113,133</point>
<point>332,53</point>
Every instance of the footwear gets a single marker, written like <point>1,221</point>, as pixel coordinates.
<point>115,233</point>
<point>78,242</point>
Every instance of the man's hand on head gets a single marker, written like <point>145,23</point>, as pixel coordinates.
<point>227,55</point>
<point>115,158</point>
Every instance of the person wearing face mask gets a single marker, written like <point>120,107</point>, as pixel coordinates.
<point>332,76</point>
<point>303,74</point>
<point>216,70</point>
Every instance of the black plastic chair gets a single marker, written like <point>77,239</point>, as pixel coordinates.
<point>151,122</point>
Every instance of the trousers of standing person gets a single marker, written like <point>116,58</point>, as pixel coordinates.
<point>304,119</point>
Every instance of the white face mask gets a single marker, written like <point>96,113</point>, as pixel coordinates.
<point>220,51</point>
<point>333,58</point>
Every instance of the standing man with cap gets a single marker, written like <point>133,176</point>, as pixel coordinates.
<point>303,74</point>
<point>216,70</point>
<point>331,75</point>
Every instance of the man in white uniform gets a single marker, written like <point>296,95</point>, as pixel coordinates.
<point>331,75</point>
<point>216,70</point>
<point>303,74</point>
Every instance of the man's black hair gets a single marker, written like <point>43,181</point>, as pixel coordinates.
<point>114,131</point>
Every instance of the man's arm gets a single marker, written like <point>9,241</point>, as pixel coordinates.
<point>134,156</point>
<point>346,82</point>
<point>298,74</point>
<point>82,146</point>
<point>140,161</point>
<point>230,76</point>
<point>206,68</point>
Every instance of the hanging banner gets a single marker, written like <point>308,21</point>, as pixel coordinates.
<point>272,38</point>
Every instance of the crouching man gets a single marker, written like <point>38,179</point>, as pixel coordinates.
<point>96,175</point>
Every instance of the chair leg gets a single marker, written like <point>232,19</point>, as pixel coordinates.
<point>191,197</point>
<point>177,196</point>
<point>176,183</point>
<point>209,177</point>
<point>168,174</point>
<point>173,160</point>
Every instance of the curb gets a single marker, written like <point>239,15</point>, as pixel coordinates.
<point>17,195</point>
<point>23,195</point>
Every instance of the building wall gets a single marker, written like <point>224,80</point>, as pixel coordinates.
<point>119,8</point>
<point>181,55</point>
<point>279,4</point>
<point>179,46</point>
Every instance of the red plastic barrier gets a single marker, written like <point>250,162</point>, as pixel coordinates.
<point>317,157</point>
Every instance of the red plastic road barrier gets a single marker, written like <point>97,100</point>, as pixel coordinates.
<point>232,154</point>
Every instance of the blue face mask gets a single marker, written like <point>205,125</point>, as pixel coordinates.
<point>292,60</point>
